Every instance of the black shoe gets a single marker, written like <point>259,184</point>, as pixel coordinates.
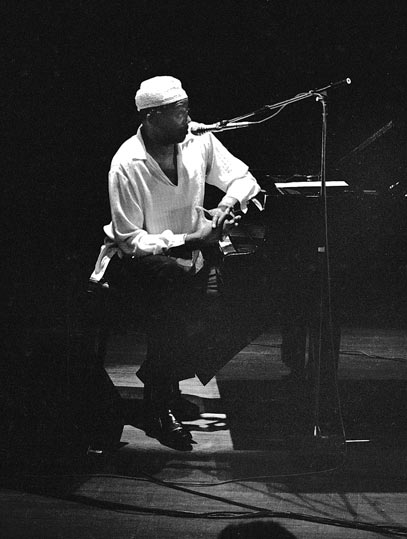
<point>167,430</point>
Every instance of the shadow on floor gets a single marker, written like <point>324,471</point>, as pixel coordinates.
<point>259,412</point>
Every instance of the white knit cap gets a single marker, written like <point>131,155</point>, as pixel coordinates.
<point>159,91</point>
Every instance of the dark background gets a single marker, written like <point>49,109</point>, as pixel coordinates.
<point>72,69</point>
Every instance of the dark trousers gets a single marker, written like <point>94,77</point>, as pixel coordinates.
<point>192,321</point>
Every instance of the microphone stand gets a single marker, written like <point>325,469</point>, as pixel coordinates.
<point>325,322</point>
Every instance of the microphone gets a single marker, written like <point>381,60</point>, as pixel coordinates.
<point>199,129</point>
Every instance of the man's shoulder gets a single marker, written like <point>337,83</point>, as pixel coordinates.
<point>130,150</point>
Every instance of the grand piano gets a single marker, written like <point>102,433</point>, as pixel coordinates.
<point>366,226</point>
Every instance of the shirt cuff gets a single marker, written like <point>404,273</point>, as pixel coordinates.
<point>228,201</point>
<point>177,240</point>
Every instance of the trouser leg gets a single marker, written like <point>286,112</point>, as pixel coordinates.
<point>163,289</point>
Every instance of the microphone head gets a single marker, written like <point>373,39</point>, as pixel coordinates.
<point>199,129</point>
<point>196,129</point>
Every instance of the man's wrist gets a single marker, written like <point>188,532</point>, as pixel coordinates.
<point>228,202</point>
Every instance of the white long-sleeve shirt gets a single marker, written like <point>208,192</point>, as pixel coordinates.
<point>149,213</point>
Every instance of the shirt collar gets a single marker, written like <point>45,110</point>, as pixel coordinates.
<point>140,148</point>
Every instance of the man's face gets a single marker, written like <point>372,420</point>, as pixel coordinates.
<point>170,122</point>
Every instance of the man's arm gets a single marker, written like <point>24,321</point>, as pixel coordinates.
<point>229,174</point>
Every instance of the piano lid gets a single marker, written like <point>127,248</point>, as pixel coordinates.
<point>378,162</point>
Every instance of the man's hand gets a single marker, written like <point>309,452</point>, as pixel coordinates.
<point>223,217</point>
<point>204,236</point>
<point>223,220</point>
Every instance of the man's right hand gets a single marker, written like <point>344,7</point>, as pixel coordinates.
<point>206,235</point>
<point>223,220</point>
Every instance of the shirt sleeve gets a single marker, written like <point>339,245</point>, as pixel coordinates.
<point>229,174</point>
<point>126,228</point>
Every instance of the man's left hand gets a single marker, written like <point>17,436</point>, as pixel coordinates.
<point>224,218</point>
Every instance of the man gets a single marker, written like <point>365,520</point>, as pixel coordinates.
<point>169,246</point>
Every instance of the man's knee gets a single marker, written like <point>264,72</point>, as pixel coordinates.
<point>160,278</point>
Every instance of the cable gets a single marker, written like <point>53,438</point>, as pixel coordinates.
<point>246,479</point>
<point>344,353</point>
<point>268,117</point>
<point>255,513</point>
<point>256,112</point>
<point>252,511</point>
<point>372,356</point>
<point>258,511</point>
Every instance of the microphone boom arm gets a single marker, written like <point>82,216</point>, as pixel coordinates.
<point>236,123</point>
<point>280,105</point>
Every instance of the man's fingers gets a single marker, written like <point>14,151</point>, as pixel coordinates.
<point>222,216</point>
<point>218,219</point>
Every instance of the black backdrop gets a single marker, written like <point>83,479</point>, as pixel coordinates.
<point>72,69</point>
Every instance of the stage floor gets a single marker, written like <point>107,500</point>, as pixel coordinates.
<point>254,453</point>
